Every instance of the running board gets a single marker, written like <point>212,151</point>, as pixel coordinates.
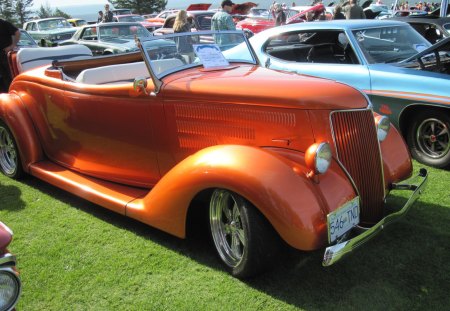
<point>107,194</point>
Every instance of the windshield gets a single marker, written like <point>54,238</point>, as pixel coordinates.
<point>207,49</point>
<point>26,39</point>
<point>389,44</point>
<point>54,23</point>
<point>136,18</point>
<point>122,31</point>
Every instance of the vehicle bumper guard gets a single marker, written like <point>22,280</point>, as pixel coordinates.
<point>338,251</point>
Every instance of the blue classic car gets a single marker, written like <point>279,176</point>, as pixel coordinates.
<point>109,38</point>
<point>405,77</point>
<point>49,31</point>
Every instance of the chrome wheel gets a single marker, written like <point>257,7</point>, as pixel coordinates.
<point>8,153</point>
<point>227,226</point>
<point>433,138</point>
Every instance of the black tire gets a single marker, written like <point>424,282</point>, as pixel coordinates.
<point>10,163</point>
<point>428,138</point>
<point>245,241</point>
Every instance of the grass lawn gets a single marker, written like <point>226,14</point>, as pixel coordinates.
<point>74,255</point>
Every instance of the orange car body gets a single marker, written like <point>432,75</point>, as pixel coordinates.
<point>148,157</point>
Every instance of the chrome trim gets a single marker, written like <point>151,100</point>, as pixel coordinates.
<point>336,252</point>
<point>7,260</point>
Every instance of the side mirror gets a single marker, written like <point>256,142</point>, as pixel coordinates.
<point>267,63</point>
<point>140,85</point>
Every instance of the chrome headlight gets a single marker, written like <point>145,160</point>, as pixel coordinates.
<point>383,127</point>
<point>10,287</point>
<point>318,158</point>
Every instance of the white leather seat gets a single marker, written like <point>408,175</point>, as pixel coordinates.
<point>124,73</point>
<point>162,65</point>
<point>30,58</point>
<point>121,73</point>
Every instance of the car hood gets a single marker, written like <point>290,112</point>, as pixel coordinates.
<point>121,43</point>
<point>261,86</point>
<point>429,50</point>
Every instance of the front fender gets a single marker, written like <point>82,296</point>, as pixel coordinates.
<point>16,117</point>
<point>397,164</point>
<point>275,183</point>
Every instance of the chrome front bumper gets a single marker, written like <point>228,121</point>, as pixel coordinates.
<point>338,251</point>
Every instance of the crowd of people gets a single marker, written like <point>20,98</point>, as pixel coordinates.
<point>422,6</point>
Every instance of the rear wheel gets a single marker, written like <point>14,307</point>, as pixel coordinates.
<point>429,138</point>
<point>10,164</point>
<point>243,238</point>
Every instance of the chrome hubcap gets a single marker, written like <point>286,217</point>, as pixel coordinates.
<point>8,154</point>
<point>433,138</point>
<point>226,227</point>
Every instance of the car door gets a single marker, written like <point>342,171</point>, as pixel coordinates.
<point>105,132</point>
<point>101,130</point>
<point>326,54</point>
<point>89,38</point>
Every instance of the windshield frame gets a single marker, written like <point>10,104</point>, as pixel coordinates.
<point>157,78</point>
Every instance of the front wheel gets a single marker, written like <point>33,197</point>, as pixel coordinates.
<point>244,240</point>
<point>429,138</point>
<point>10,164</point>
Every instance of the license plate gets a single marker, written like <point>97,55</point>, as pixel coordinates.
<point>343,219</point>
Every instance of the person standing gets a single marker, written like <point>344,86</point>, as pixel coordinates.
<point>100,17</point>
<point>337,14</point>
<point>107,15</point>
<point>9,37</point>
<point>280,15</point>
<point>182,24</point>
<point>222,20</point>
<point>353,11</point>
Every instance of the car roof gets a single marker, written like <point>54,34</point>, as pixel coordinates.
<point>122,15</point>
<point>47,19</point>
<point>112,24</point>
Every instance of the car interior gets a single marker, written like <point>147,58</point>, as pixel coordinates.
<point>312,47</point>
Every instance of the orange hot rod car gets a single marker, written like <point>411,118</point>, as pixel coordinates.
<point>194,118</point>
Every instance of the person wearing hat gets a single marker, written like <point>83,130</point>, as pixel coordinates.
<point>222,20</point>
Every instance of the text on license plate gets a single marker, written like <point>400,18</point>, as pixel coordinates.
<point>343,219</point>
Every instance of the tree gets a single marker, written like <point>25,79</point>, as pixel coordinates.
<point>22,10</point>
<point>7,11</point>
<point>47,11</point>
<point>141,6</point>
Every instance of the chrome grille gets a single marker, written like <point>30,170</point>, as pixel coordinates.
<point>356,142</point>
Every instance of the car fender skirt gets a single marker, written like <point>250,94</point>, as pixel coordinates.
<point>295,205</point>
<point>15,115</point>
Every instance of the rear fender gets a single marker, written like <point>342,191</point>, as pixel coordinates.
<point>16,117</point>
<point>295,205</point>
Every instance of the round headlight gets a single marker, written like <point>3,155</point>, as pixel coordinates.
<point>318,158</point>
<point>9,289</point>
<point>383,126</point>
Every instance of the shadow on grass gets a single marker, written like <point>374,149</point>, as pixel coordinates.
<point>11,198</point>
<point>405,267</point>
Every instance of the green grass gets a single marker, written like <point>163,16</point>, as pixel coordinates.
<point>74,255</point>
